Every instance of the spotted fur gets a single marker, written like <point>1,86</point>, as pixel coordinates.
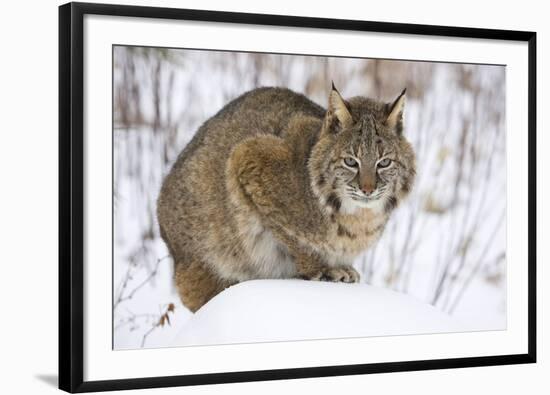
<point>263,190</point>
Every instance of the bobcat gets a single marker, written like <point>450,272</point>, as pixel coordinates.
<point>275,186</point>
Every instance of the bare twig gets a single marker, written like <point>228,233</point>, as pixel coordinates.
<point>163,320</point>
<point>478,264</point>
<point>121,297</point>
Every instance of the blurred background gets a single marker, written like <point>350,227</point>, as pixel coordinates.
<point>446,245</point>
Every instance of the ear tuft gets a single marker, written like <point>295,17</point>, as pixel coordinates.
<point>337,108</point>
<point>395,114</point>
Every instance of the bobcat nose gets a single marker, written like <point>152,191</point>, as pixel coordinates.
<point>367,189</point>
<point>367,182</point>
<point>368,186</point>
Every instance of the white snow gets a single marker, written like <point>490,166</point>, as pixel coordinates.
<point>283,310</point>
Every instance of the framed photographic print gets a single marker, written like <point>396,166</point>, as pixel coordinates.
<point>251,197</point>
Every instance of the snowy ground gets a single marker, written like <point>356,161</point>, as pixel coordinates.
<point>280,310</point>
<point>446,246</point>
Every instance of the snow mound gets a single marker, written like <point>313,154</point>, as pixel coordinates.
<point>283,310</point>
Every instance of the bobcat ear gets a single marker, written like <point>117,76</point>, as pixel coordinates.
<point>395,113</point>
<point>338,114</point>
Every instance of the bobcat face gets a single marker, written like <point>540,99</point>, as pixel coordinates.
<point>362,159</point>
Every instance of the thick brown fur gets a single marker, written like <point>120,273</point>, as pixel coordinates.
<point>265,190</point>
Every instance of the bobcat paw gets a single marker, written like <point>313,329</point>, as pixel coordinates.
<point>341,273</point>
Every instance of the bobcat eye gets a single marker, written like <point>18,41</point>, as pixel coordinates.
<point>349,161</point>
<point>384,163</point>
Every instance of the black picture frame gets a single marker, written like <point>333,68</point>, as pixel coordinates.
<point>71,195</point>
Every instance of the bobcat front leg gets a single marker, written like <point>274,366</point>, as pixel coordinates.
<point>260,177</point>
<point>311,267</point>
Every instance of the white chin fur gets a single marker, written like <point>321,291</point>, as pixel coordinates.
<point>350,206</point>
